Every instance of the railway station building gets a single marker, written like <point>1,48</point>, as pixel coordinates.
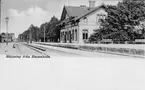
<point>79,22</point>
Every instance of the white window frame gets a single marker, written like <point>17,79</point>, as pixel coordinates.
<point>85,33</point>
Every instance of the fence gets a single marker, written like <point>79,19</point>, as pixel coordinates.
<point>109,41</point>
<point>134,50</point>
<point>125,51</point>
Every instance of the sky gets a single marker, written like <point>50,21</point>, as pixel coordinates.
<point>23,13</point>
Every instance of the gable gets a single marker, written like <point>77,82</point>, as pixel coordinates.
<point>95,16</point>
<point>64,14</point>
<point>100,11</point>
<point>73,11</point>
<point>90,12</point>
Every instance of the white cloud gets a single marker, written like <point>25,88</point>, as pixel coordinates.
<point>21,20</point>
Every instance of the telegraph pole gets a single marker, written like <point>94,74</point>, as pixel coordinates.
<point>44,33</point>
<point>30,36</point>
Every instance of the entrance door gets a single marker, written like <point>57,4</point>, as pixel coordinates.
<point>65,38</point>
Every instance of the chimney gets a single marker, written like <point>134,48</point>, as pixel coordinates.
<point>91,4</point>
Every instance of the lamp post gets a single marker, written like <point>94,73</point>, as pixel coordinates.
<point>7,19</point>
<point>0,16</point>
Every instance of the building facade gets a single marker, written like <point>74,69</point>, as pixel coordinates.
<point>78,23</point>
<point>7,37</point>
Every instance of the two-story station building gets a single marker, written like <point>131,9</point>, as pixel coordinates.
<point>79,22</point>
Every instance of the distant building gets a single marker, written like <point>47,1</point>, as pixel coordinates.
<point>4,37</point>
<point>79,22</point>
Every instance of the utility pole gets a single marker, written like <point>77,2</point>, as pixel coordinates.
<point>44,33</point>
<point>30,36</point>
<point>37,35</point>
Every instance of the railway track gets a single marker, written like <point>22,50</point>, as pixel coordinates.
<point>16,46</point>
<point>40,50</point>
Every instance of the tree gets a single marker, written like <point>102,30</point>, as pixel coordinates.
<point>30,34</point>
<point>52,31</point>
<point>34,32</point>
<point>121,20</point>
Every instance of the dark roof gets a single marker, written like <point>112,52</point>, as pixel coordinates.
<point>90,11</point>
<point>79,12</point>
<point>75,11</point>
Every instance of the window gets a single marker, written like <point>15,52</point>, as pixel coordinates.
<point>94,31</point>
<point>67,35</point>
<point>61,35</point>
<point>76,34</point>
<point>85,34</point>
<point>85,20</point>
<point>100,17</point>
<point>70,37</point>
<point>72,34</point>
